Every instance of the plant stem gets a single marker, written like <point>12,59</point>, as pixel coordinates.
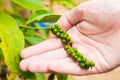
<point>28,27</point>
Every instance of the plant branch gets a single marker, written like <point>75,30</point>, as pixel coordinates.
<point>28,27</point>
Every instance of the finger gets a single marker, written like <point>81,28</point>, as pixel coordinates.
<point>92,53</point>
<point>72,17</point>
<point>48,56</point>
<point>50,44</point>
<point>69,68</point>
<point>89,28</point>
<point>43,65</point>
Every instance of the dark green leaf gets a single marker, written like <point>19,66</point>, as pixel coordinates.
<point>50,18</point>
<point>69,4</point>
<point>62,76</point>
<point>33,39</point>
<point>51,77</point>
<point>12,42</point>
<point>40,76</point>
<point>30,4</point>
<point>1,55</point>
<point>42,16</point>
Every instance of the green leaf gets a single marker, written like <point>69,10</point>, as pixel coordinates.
<point>1,55</point>
<point>12,42</point>
<point>43,16</point>
<point>30,4</point>
<point>40,76</point>
<point>62,76</point>
<point>51,77</point>
<point>69,4</point>
<point>33,39</point>
<point>50,18</point>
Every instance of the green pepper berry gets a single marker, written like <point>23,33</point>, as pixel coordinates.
<point>64,36</point>
<point>53,27</point>
<point>63,41</point>
<point>79,59</point>
<point>73,54</point>
<point>92,64</point>
<point>86,67</point>
<point>87,63</point>
<point>64,32</point>
<point>76,57</point>
<point>60,30</point>
<point>57,26</point>
<point>70,42</point>
<point>68,51</point>
<point>58,34</point>
<point>66,47</point>
<point>68,38</point>
<point>50,27</point>
<point>82,65</point>
<point>61,36</point>
<point>75,49</point>
<point>54,31</point>
<point>83,59</point>
<point>80,55</point>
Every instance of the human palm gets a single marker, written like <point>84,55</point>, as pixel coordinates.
<point>94,28</point>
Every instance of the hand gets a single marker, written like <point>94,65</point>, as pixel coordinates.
<point>94,27</point>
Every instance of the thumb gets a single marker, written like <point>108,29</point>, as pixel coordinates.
<point>72,17</point>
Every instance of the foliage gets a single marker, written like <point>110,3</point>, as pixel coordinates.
<point>20,27</point>
<point>31,5</point>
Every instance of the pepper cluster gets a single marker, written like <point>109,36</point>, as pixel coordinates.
<point>56,29</point>
<point>72,52</point>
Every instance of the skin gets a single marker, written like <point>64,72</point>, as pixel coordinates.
<point>94,27</point>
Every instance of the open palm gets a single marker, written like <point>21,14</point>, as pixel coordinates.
<point>95,31</point>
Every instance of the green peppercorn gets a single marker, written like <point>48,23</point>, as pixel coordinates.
<point>76,57</point>
<point>68,38</point>
<point>57,26</point>
<point>58,34</point>
<point>61,36</point>
<point>75,49</point>
<point>64,36</point>
<point>50,27</point>
<point>66,47</point>
<point>92,64</point>
<point>83,59</point>
<point>80,55</point>
<point>64,32</point>
<point>86,67</point>
<point>73,54</point>
<point>54,31</point>
<point>82,65</point>
<point>63,41</point>
<point>79,59</point>
<point>68,51</point>
<point>53,27</point>
<point>60,30</point>
<point>87,63</point>
<point>70,42</point>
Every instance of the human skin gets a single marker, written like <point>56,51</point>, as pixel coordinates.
<point>94,27</point>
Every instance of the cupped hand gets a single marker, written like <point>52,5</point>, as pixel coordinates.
<point>94,27</point>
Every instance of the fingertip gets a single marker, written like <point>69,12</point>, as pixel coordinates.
<point>23,66</point>
<point>64,22</point>
<point>22,55</point>
<point>54,67</point>
<point>38,66</point>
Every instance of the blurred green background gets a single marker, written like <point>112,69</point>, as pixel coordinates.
<point>32,17</point>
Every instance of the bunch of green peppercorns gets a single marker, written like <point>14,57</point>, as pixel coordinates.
<point>73,52</point>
